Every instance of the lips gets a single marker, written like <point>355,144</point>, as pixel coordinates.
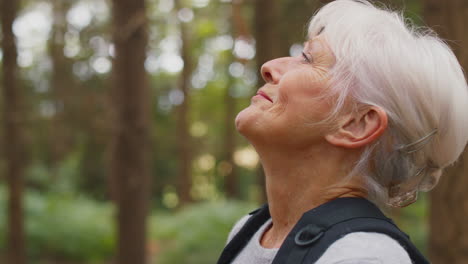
<point>264,95</point>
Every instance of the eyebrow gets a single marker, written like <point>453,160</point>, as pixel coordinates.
<point>320,31</point>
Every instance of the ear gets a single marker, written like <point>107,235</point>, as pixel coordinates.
<point>359,129</point>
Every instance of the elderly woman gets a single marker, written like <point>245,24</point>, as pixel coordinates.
<point>370,113</point>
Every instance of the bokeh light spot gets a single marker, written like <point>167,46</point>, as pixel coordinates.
<point>185,15</point>
<point>176,97</point>
<point>198,129</point>
<point>101,65</point>
<point>246,157</point>
<point>244,49</point>
<point>80,15</point>
<point>236,69</point>
<point>295,50</point>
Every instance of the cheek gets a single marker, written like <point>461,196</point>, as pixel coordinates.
<point>302,87</point>
<point>305,96</point>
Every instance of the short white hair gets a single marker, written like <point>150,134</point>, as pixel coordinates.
<point>383,60</point>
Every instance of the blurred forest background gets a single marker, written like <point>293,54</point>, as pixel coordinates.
<point>117,127</point>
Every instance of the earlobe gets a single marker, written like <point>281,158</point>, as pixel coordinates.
<point>359,129</point>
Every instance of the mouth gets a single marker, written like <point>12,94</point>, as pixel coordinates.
<point>264,95</point>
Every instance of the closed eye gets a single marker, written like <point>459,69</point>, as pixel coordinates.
<point>306,58</point>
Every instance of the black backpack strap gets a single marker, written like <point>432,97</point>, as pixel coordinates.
<point>321,226</point>
<point>240,240</point>
<point>363,225</point>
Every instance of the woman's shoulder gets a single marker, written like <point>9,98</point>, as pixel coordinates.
<point>354,248</point>
<point>237,226</point>
<point>365,248</point>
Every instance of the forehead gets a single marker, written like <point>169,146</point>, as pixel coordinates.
<point>313,37</point>
<point>308,43</point>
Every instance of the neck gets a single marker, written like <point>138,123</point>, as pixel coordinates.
<point>297,181</point>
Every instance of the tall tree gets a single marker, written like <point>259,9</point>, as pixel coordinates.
<point>231,182</point>
<point>266,21</point>
<point>448,240</point>
<point>239,30</point>
<point>13,135</point>
<point>129,165</point>
<point>184,150</point>
<point>61,82</point>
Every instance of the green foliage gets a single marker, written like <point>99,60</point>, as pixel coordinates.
<point>68,227</point>
<point>62,179</point>
<point>61,226</point>
<point>197,233</point>
<point>205,28</point>
<point>414,221</point>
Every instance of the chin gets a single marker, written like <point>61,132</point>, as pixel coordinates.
<point>245,122</point>
<point>251,122</point>
<point>240,122</point>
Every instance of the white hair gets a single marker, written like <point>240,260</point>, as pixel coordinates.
<point>383,60</point>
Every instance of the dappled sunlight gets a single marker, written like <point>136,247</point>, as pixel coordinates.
<point>83,12</point>
<point>220,43</point>
<point>185,15</point>
<point>205,162</point>
<point>101,65</point>
<point>32,28</point>
<point>204,72</point>
<point>204,189</point>
<point>80,15</point>
<point>165,6</point>
<point>200,3</point>
<point>170,199</point>
<point>236,69</point>
<point>295,50</point>
<point>72,44</point>
<point>82,70</point>
<point>152,64</point>
<point>171,62</point>
<point>198,129</point>
<point>176,97</point>
<point>246,157</point>
<point>244,49</point>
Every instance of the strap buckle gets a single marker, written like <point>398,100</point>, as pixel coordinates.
<point>308,235</point>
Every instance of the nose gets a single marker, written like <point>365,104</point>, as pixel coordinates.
<point>273,70</point>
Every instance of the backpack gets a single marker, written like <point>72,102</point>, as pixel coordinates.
<point>319,228</point>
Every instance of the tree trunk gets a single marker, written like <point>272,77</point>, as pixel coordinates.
<point>266,24</point>
<point>13,136</point>
<point>129,164</point>
<point>61,82</point>
<point>448,240</point>
<point>184,179</point>
<point>231,178</point>
<point>231,183</point>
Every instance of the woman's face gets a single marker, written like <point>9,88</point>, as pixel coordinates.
<point>286,107</point>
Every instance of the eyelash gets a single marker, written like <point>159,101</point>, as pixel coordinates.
<point>307,59</point>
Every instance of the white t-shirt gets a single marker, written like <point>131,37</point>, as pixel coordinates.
<point>354,248</point>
